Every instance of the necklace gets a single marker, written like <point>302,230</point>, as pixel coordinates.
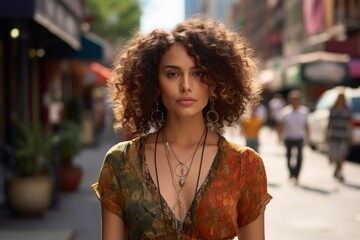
<point>181,170</point>
<point>178,207</point>
<point>162,203</point>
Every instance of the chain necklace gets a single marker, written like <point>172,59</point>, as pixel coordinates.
<point>178,207</point>
<point>162,203</point>
<point>181,170</point>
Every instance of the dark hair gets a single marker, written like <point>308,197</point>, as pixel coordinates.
<point>231,72</point>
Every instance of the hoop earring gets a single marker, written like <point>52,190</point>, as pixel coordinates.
<point>212,116</point>
<point>157,116</point>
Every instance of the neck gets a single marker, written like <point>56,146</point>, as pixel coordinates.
<point>184,132</point>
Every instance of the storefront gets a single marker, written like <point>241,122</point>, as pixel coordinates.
<point>315,72</point>
<point>29,30</point>
<point>27,35</point>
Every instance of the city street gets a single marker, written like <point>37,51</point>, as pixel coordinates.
<point>319,208</point>
<point>69,69</point>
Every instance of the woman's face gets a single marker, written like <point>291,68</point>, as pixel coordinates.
<point>182,90</point>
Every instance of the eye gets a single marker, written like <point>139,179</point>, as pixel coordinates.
<point>199,74</point>
<point>172,74</point>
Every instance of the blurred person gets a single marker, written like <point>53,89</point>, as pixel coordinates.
<point>339,133</point>
<point>293,130</point>
<point>183,180</point>
<point>276,103</point>
<point>262,112</point>
<point>250,129</point>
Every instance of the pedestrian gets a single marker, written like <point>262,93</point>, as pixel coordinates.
<point>250,129</point>
<point>262,112</point>
<point>179,178</point>
<point>293,130</point>
<point>339,133</point>
<point>276,103</point>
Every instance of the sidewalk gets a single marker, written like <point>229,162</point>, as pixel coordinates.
<point>77,216</point>
<point>319,207</point>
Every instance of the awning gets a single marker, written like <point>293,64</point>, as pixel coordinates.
<point>92,48</point>
<point>97,74</point>
<point>101,72</point>
<point>317,67</point>
<point>318,56</point>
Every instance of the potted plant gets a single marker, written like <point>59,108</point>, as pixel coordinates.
<point>70,145</point>
<point>29,187</point>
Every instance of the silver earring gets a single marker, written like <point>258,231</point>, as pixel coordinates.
<point>212,116</point>
<point>157,116</point>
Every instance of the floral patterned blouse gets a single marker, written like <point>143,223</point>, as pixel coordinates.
<point>232,195</point>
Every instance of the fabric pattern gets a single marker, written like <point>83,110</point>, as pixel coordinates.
<point>231,196</point>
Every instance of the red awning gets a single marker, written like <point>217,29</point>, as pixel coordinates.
<point>102,73</point>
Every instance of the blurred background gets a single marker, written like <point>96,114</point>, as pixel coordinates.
<point>55,124</point>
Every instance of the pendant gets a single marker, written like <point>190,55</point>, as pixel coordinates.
<point>181,213</point>
<point>182,181</point>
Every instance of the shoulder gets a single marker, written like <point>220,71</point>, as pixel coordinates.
<point>123,146</point>
<point>123,150</point>
<point>239,152</point>
<point>284,111</point>
<point>244,161</point>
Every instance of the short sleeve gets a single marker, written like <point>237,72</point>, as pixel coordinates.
<point>108,188</point>
<point>254,194</point>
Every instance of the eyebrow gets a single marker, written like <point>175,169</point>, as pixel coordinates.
<point>179,68</point>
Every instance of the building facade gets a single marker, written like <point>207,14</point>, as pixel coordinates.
<point>307,44</point>
<point>43,57</point>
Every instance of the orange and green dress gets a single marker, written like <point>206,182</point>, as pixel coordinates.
<point>231,196</point>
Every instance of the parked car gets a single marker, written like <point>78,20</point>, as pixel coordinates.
<point>318,118</point>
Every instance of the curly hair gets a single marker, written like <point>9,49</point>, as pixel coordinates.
<point>226,56</point>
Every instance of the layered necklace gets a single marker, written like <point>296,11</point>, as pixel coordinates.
<point>180,171</point>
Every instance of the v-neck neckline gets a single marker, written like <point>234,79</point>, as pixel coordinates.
<point>169,214</point>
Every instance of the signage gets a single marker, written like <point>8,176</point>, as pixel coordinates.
<point>327,72</point>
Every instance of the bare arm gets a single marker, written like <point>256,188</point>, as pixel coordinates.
<point>113,227</point>
<point>254,230</point>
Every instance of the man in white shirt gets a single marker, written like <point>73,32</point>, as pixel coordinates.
<point>293,130</point>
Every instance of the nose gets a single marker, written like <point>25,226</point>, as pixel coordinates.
<point>185,84</point>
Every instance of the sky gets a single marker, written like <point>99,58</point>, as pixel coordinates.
<point>161,14</point>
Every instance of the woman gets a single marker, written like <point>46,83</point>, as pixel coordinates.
<point>180,179</point>
<point>339,133</point>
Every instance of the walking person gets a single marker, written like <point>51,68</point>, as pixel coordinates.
<point>276,103</point>
<point>179,178</point>
<point>250,129</point>
<point>339,133</point>
<point>293,130</point>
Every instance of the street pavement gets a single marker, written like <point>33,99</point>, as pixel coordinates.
<point>318,208</point>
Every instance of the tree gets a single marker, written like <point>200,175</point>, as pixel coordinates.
<point>114,20</point>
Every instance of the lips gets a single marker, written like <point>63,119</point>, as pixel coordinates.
<point>186,101</point>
